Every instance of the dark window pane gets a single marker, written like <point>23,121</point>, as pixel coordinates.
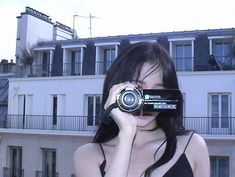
<point>90,109</point>
<point>97,110</point>
<point>223,167</point>
<point>55,110</point>
<point>219,166</point>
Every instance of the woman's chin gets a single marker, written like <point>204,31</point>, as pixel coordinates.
<point>145,121</point>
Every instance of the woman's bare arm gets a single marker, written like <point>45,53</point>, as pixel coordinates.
<point>87,160</point>
<point>201,156</point>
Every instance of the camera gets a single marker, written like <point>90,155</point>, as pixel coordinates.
<point>135,99</point>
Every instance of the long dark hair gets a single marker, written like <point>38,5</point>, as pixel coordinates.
<point>129,64</point>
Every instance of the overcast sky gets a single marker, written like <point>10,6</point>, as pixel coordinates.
<point>119,17</point>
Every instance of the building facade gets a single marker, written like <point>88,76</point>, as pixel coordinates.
<point>53,107</point>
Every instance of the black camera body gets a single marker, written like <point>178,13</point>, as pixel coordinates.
<point>135,99</point>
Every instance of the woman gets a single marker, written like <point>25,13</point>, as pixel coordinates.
<point>145,144</point>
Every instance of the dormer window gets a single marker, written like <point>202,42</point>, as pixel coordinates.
<point>182,53</point>
<point>43,61</point>
<point>221,52</point>
<point>106,53</point>
<point>73,60</point>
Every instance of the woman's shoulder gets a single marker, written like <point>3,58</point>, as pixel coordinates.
<point>89,149</point>
<point>192,141</point>
<point>196,141</point>
<point>87,153</point>
<point>87,157</point>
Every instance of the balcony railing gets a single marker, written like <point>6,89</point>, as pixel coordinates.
<point>202,125</point>
<point>72,69</point>
<point>45,122</point>
<point>13,172</point>
<point>211,63</point>
<point>103,66</point>
<point>211,125</point>
<point>184,63</point>
<point>46,174</point>
<point>214,63</point>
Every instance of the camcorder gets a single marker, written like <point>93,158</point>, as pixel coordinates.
<point>136,100</point>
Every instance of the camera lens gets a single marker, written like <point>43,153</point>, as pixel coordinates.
<point>129,99</point>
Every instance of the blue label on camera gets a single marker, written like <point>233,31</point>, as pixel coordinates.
<point>146,97</point>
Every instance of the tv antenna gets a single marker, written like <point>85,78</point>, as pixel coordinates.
<point>90,17</point>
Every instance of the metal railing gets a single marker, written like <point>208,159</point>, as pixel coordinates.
<point>12,172</point>
<point>72,69</point>
<point>46,174</point>
<point>211,125</point>
<point>202,125</point>
<point>103,66</point>
<point>185,64</point>
<point>46,122</point>
<point>214,63</point>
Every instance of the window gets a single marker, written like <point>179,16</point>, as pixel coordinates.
<point>25,107</point>
<point>109,56</point>
<point>222,53</point>
<point>45,63</point>
<point>184,104</point>
<point>76,63</point>
<point>93,109</point>
<point>105,56</point>
<point>15,161</point>
<point>182,53</point>
<point>55,103</point>
<point>183,57</point>
<point>48,163</point>
<point>219,110</point>
<point>219,166</point>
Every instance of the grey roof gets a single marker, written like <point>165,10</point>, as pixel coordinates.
<point>174,34</point>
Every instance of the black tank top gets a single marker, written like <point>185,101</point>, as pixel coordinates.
<point>181,168</point>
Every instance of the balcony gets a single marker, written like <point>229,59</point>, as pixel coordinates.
<point>46,174</point>
<point>13,172</point>
<point>103,66</point>
<point>202,125</point>
<point>211,125</point>
<point>213,63</point>
<point>45,122</point>
<point>185,64</point>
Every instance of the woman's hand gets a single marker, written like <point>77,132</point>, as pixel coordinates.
<point>126,122</point>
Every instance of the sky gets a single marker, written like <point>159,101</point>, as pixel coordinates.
<point>119,17</point>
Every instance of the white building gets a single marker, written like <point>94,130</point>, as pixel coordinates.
<point>53,110</point>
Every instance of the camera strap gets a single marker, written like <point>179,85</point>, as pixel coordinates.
<point>111,107</point>
<point>105,114</point>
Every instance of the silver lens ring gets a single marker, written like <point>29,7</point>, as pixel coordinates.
<point>129,99</point>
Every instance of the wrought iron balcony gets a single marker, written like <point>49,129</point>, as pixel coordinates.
<point>45,122</point>
<point>100,67</point>
<point>202,125</point>
<point>103,66</point>
<point>213,63</point>
<point>184,63</point>
<point>211,125</point>
<point>46,174</point>
<point>13,172</point>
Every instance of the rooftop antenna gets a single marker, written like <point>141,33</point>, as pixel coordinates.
<point>90,22</point>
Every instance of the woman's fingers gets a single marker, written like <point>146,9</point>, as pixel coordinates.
<point>125,121</point>
<point>113,92</point>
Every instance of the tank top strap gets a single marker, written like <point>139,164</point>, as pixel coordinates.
<point>188,141</point>
<point>102,150</point>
